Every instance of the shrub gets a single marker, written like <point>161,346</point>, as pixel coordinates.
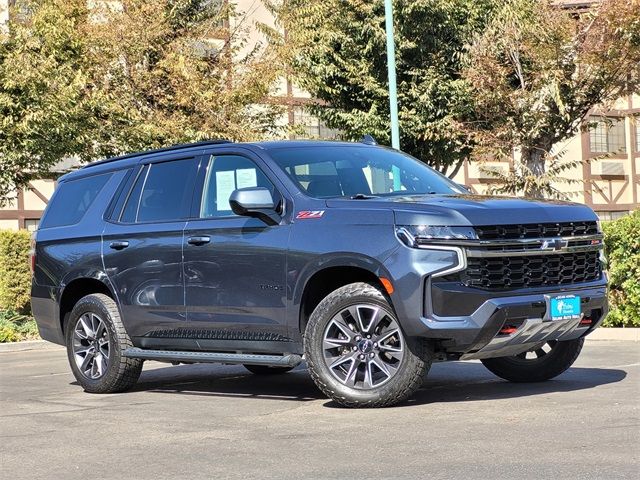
<point>15,274</point>
<point>622,248</point>
<point>15,327</point>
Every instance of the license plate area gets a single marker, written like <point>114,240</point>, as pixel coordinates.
<point>563,307</point>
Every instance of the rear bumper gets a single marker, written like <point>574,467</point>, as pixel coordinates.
<point>477,335</point>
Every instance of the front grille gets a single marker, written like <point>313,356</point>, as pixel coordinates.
<point>536,230</point>
<point>493,273</point>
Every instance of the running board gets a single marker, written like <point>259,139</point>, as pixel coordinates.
<point>289,360</point>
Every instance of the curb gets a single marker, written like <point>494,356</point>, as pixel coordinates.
<point>28,345</point>
<point>620,334</point>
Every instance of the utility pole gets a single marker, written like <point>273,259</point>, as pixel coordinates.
<point>391,65</point>
<point>393,90</point>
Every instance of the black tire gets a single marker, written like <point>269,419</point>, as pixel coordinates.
<point>266,370</point>
<point>516,369</point>
<point>121,373</point>
<point>408,376</point>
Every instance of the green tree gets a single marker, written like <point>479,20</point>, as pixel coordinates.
<point>535,73</point>
<point>93,79</point>
<point>336,50</point>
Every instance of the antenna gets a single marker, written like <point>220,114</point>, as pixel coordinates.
<point>368,140</point>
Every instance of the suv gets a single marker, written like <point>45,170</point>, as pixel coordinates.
<point>360,259</point>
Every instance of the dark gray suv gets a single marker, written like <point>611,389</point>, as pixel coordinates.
<point>359,259</point>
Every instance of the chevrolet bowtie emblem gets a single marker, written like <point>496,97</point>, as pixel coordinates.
<point>554,243</point>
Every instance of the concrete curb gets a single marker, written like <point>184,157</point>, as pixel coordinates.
<point>28,345</point>
<point>601,334</point>
<point>621,334</point>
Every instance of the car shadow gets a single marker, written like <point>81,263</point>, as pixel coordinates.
<point>446,382</point>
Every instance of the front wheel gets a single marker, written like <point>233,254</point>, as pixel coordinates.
<point>541,363</point>
<point>357,352</point>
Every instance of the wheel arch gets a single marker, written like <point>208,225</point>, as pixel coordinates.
<point>329,276</point>
<point>79,287</point>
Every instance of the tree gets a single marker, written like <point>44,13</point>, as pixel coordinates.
<point>94,79</point>
<point>536,72</point>
<point>336,51</point>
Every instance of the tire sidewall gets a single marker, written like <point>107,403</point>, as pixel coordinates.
<point>314,336</point>
<point>93,304</point>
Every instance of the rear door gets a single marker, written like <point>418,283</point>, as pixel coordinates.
<point>235,267</point>
<point>142,247</point>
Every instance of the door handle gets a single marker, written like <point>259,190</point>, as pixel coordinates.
<point>201,240</point>
<point>118,245</point>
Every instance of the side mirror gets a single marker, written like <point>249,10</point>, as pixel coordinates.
<point>466,188</point>
<point>254,202</point>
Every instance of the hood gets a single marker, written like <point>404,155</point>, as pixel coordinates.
<point>475,210</point>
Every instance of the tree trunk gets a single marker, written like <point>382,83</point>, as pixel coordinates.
<point>533,158</point>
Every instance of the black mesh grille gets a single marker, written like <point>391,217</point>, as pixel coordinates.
<point>531,271</point>
<point>536,230</point>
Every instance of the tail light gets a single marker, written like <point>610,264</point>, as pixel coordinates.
<point>32,253</point>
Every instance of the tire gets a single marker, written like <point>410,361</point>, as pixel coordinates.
<point>107,371</point>
<point>358,379</point>
<point>266,370</point>
<point>559,357</point>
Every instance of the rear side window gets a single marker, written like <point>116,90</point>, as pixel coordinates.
<point>72,200</point>
<point>162,192</point>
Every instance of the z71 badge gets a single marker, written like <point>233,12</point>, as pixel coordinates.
<point>310,214</point>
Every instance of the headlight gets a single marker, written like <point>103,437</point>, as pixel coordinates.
<point>414,235</point>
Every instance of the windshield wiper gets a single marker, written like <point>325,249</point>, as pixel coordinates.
<point>362,196</point>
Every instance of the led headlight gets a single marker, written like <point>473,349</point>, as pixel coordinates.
<point>414,235</point>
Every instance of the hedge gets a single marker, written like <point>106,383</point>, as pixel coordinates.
<point>15,274</point>
<point>622,249</point>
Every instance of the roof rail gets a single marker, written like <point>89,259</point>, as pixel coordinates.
<point>159,150</point>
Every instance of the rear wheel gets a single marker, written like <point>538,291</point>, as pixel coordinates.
<point>266,370</point>
<point>357,352</point>
<point>541,363</point>
<point>96,340</point>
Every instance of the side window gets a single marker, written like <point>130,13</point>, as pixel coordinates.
<point>225,174</point>
<point>162,192</point>
<point>72,200</point>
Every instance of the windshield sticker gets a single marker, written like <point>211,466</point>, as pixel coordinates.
<point>310,214</point>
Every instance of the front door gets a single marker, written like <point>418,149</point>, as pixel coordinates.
<point>142,249</point>
<point>235,267</point>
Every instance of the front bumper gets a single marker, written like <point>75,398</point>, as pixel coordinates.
<point>478,335</point>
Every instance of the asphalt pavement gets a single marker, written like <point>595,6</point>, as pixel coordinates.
<point>209,422</point>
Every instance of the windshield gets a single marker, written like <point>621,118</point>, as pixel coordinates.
<point>352,171</point>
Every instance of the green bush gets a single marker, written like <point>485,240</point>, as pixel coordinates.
<point>15,274</point>
<point>15,327</point>
<point>622,248</point>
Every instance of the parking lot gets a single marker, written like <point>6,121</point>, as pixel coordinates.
<point>208,421</point>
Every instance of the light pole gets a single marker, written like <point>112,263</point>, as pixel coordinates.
<point>393,93</point>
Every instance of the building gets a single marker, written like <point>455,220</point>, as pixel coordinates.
<point>610,186</point>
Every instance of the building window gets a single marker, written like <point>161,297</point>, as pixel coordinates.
<point>608,216</point>
<point>312,126</point>
<point>607,135</point>
<point>637,122</point>
<point>31,224</point>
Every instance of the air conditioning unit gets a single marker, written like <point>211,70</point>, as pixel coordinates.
<point>611,168</point>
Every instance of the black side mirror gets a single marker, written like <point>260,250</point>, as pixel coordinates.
<point>254,202</point>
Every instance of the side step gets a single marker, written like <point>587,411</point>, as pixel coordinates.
<point>289,360</point>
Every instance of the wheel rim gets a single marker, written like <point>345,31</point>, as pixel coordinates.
<point>363,346</point>
<point>91,345</point>
<point>537,353</point>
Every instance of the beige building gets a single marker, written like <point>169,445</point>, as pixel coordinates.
<point>611,186</point>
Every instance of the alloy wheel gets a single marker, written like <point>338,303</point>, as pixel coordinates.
<point>91,345</point>
<point>538,352</point>
<point>363,346</point>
